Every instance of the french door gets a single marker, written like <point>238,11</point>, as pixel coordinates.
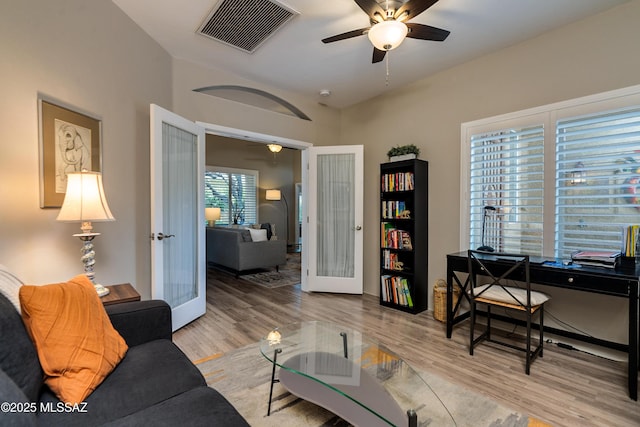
<point>178,270</point>
<point>334,216</point>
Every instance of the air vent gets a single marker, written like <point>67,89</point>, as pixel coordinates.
<point>245,24</point>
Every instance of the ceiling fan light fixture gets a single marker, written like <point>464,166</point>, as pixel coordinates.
<point>274,148</point>
<point>388,35</point>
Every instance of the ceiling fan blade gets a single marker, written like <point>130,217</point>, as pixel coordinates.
<point>370,7</point>
<point>427,32</point>
<point>378,55</point>
<point>347,35</point>
<point>413,8</point>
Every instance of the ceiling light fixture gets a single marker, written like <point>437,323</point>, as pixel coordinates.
<point>274,148</point>
<point>387,35</point>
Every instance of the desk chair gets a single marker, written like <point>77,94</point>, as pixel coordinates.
<point>495,292</point>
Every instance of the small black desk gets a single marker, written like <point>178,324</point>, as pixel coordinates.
<point>620,282</point>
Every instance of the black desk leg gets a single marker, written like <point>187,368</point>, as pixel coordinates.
<point>633,341</point>
<point>449,300</point>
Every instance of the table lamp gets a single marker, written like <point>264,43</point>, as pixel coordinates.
<point>85,202</point>
<point>211,215</point>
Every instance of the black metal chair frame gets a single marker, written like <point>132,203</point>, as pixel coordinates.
<point>520,265</point>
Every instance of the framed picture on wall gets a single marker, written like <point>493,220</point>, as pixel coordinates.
<point>70,141</point>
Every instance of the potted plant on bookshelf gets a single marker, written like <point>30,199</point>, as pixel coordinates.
<point>403,152</point>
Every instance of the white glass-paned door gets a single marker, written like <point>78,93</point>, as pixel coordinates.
<point>177,215</point>
<point>335,219</point>
<point>335,210</point>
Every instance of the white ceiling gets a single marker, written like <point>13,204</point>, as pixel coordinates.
<point>294,59</point>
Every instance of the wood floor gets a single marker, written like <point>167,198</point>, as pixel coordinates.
<point>565,388</point>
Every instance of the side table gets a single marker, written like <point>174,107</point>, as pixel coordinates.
<point>119,294</point>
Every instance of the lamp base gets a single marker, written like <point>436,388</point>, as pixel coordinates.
<point>101,290</point>
<point>88,259</point>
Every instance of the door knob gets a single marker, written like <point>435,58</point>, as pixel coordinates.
<point>358,227</point>
<point>165,236</point>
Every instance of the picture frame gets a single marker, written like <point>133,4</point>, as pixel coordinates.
<point>70,141</point>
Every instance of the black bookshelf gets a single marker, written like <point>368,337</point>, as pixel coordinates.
<point>403,235</point>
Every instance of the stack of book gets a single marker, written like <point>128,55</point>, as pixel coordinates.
<point>631,239</point>
<point>401,181</point>
<point>607,259</point>
<point>393,238</point>
<point>394,209</point>
<point>395,289</point>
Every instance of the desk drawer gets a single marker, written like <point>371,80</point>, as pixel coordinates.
<point>586,281</point>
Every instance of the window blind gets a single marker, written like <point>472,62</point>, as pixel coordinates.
<point>597,179</point>
<point>507,189</point>
<point>235,193</point>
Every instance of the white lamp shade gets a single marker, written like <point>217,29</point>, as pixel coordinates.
<point>387,35</point>
<point>85,199</point>
<point>212,214</point>
<point>273,195</point>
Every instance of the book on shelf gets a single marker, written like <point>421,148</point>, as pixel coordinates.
<point>390,261</point>
<point>394,209</point>
<point>400,181</point>
<point>395,289</point>
<point>631,239</point>
<point>393,238</point>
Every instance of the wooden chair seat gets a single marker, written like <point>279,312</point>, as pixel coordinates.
<point>534,308</point>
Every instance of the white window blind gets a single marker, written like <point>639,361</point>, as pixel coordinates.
<point>597,179</point>
<point>507,189</point>
<point>235,192</point>
<point>578,192</point>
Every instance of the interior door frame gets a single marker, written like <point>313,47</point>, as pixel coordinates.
<point>229,132</point>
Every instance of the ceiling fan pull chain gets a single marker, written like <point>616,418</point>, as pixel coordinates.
<point>386,82</point>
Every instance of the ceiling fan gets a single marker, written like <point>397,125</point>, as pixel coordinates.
<point>389,27</point>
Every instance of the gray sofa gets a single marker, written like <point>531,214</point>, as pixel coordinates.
<point>154,385</point>
<point>233,249</point>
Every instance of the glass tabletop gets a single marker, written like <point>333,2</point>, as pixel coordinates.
<point>356,366</point>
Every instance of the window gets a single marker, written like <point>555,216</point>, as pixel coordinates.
<point>554,179</point>
<point>597,179</point>
<point>506,191</point>
<point>235,192</point>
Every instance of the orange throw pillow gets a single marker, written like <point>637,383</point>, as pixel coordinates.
<point>76,342</point>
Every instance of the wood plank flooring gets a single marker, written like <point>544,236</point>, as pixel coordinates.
<point>565,388</point>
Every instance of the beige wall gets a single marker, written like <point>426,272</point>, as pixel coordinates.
<point>92,56</point>
<point>323,129</point>
<point>587,57</point>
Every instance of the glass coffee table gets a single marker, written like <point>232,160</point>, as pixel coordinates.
<point>351,375</point>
